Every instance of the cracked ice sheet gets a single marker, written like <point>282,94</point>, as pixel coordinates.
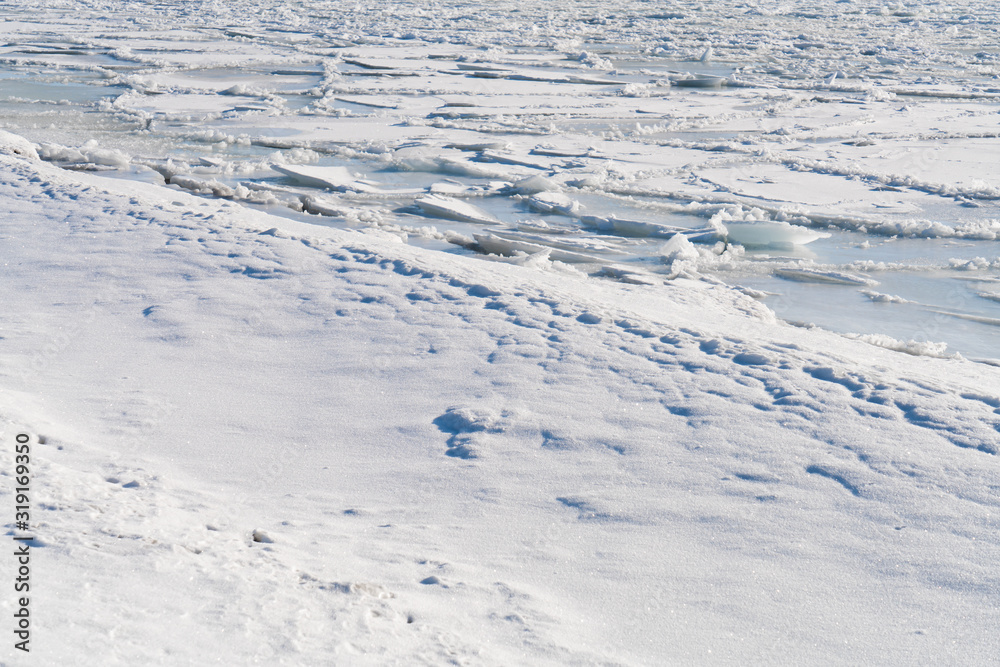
<point>634,478</point>
<point>631,463</point>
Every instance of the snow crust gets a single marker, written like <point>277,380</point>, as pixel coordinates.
<point>399,333</point>
<point>369,453</point>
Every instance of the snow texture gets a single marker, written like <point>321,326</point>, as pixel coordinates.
<point>413,334</point>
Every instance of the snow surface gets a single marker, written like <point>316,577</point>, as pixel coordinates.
<point>477,378</point>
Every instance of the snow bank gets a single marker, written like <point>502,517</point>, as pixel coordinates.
<point>564,423</point>
<point>13,144</point>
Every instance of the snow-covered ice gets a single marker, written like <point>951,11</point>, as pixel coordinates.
<point>581,333</point>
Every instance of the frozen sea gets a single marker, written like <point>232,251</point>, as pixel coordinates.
<point>556,333</point>
<point>592,131</point>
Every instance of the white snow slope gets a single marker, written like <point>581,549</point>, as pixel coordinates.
<point>267,442</point>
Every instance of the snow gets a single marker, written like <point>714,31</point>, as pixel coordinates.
<point>440,206</point>
<point>12,144</point>
<point>290,402</point>
<point>331,178</point>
